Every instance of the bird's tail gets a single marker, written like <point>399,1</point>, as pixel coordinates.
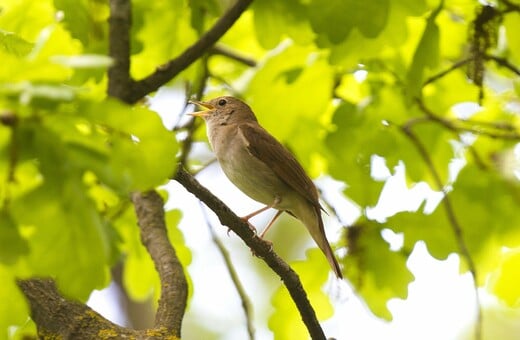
<point>314,224</point>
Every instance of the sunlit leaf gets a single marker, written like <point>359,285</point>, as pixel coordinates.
<point>292,75</point>
<point>370,17</point>
<point>474,195</point>
<point>14,309</point>
<point>505,280</point>
<point>13,244</point>
<point>376,282</point>
<point>64,221</point>
<point>13,44</point>
<point>426,55</point>
<point>511,24</point>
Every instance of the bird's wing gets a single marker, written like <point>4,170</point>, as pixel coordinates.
<point>268,150</point>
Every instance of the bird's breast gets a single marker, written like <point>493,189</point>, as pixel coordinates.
<point>248,173</point>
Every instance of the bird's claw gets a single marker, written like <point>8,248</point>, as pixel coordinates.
<point>269,244</point>
<point>251,227</point>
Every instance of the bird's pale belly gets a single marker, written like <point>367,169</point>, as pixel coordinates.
<point>254,178</point>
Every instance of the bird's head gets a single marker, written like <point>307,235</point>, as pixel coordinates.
<point>224,111</point>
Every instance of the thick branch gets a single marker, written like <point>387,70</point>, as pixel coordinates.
<point>174,287</point>
<point>58,318</point>
<point>119,81</point>
<point>259,247</point>
<point>168,71</point>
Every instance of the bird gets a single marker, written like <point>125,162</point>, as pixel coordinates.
<point>262,168</point>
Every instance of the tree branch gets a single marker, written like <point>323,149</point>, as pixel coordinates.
<point>59,318</point>
<point>174,288</point>
<point>119,81</point>
<point>246,303</point>
<point>226,52</point>
<point>259,247</point>
<point>496,131</point>
<point>504,63</point>
<point>454,223</point>
<point>441,74</point>
<point>168,71</point>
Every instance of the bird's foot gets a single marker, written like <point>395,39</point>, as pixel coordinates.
<point>252,227</point>
<point>269,244</point>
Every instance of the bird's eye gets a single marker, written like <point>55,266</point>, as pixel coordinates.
<point>222,102</point>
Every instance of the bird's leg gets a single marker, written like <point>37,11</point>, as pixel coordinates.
<point>254,213</point>
<point>278,213</point>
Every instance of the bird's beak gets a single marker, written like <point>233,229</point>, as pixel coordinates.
<point>201,113</point>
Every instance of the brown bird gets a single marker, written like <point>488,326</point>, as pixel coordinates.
<point>262,168</point>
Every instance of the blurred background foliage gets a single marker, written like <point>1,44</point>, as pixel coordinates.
<point>432,85</point>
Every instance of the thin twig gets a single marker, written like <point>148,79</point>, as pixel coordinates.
<point>168,71</point>
<point>246,302</point>
<point>504,63</point>
<point>458,125</point>
<point>455,226</point>
<point>441,74</point>
<point>229,53</point>
<point>193,124</point>
<point>260,248</point>
<point>492,125</point>
<point>510,7</point>
<point>204,166</point>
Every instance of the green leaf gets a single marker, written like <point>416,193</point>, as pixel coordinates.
<point>13,44</point>
<point>75,17</point>
<point>286,322</point>
<point>13,244</point>
<point>475,195</point>
<point>426,55</point>
<point>128,148</point>
<point>66,236</point>
<point>436,141</point>
<point>390,47</point>
<point>275,19</point>
<point>140,277</point>
<point>173,217</point>
<point>504,281</point>
<point>367,132</point>
<point>353,165</point>
<point>512,25</point>
<point>454,88</point>
<point>370,17</point>
<point>293,74</point>
<point>154,42</point>
<point>375,279</point>
<point>14,310</point>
